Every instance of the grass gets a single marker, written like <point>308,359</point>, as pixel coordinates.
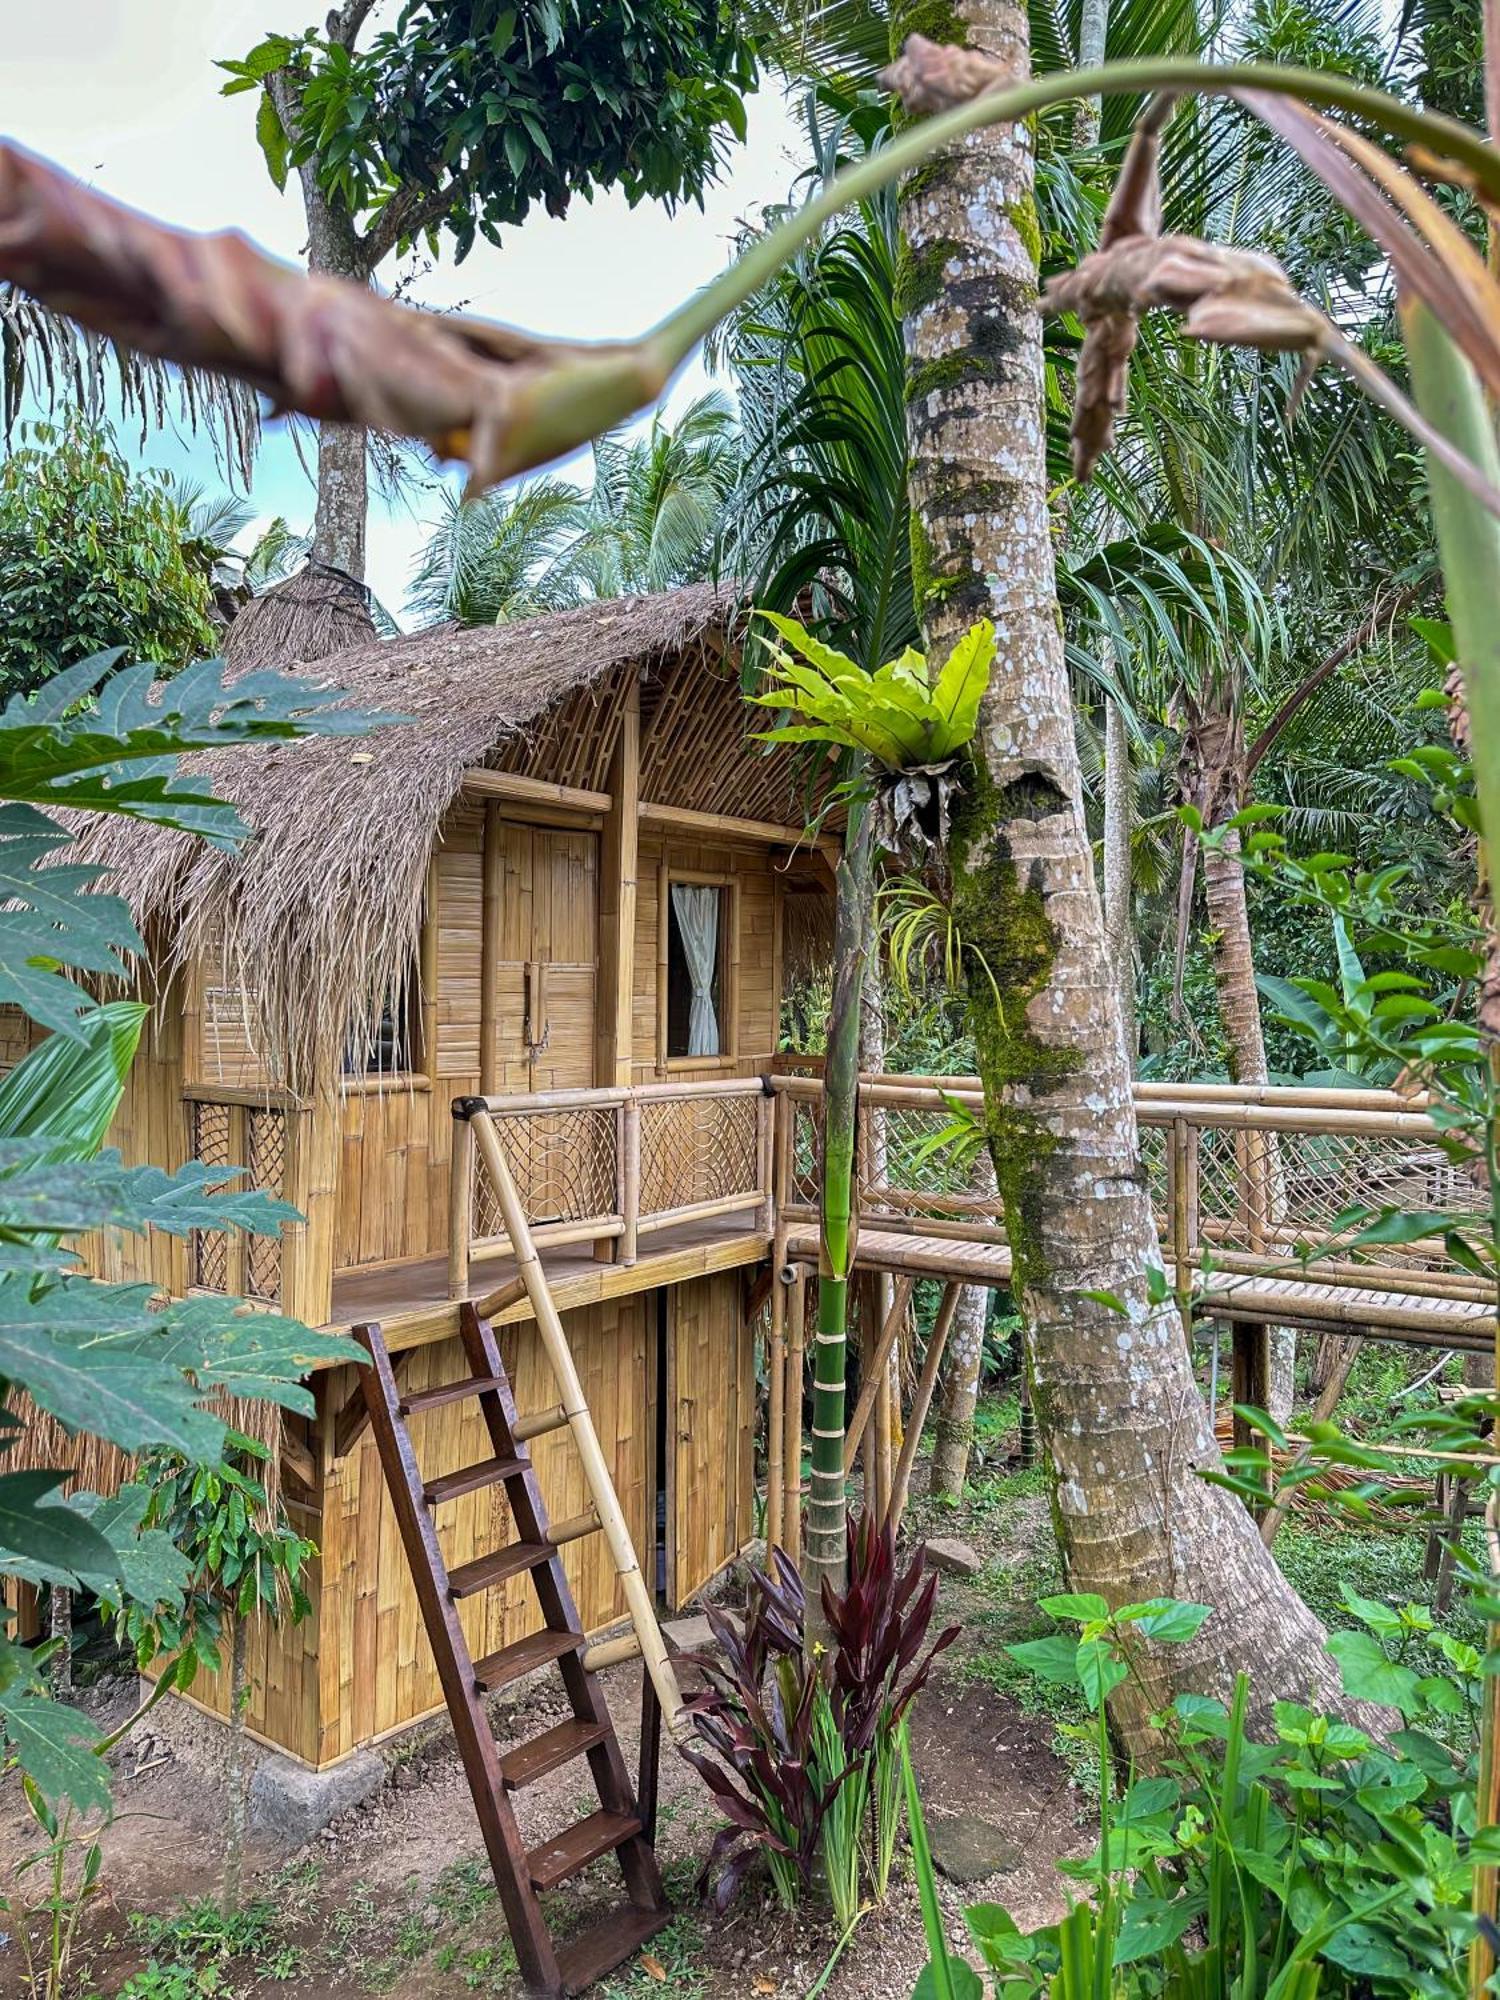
<point>678,1951</point>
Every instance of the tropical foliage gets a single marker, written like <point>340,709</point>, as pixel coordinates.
<point>92,554</point>
<point>115,1360</point>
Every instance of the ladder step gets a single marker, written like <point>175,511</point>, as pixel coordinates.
<point>588,1957</point>
<point>513,1663</point>
<point>555,1747</point>
<point>448,1392</point>
<point>601,1833</point>
<point>488,1472</point>
<point>497,1567</point>
<point>539,1423</point>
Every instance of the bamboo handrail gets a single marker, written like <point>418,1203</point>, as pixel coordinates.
<point>581,1423</point>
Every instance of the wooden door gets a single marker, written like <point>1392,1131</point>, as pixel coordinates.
<point>545,975</point>
<point>710,1416</point>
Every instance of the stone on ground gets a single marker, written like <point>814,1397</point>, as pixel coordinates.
<point>968,1849</point>
<point>946,1552</point>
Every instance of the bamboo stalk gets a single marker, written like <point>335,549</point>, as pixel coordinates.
<point>549,1234</point>
<point>874,1367</point>
<point>611,1652</point>
<point>1323,1409</point>
<point>539,1423</point>
<point>580,1422</point>
<point>574,1528</point>
<point>885,1416</point>
<point>1178,1178</point>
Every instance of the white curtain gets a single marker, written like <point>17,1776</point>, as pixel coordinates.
<point>697,912</point>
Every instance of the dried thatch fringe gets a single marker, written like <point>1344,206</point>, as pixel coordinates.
<point>319,915</point>
<point>301,620</point>
<point>97,1467</point>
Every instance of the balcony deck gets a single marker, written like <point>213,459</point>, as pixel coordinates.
<point>410,1300</point>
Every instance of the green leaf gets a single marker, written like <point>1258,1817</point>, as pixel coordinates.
<point>961,684</point>
<point>54,1746</point>
<point>271,137</point>
<point>1083,1605</point>
<point>1054,1659</point>
<point>1369,1676</point>
<point>61,1546</point>
<point>1100,1670</point>
<point>1165,1619</point>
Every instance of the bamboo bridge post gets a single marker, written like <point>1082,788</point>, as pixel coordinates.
<point>460,1207</point>
<point>877,1354</point>
<point>780,1113</point>
<point>1180,1177</point>
<point>932,1361</point>
<point>630,1177</point>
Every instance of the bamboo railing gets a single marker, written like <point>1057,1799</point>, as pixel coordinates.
<point>609,1166</point>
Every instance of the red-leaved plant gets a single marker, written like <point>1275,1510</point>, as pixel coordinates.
<point>805,1746</point>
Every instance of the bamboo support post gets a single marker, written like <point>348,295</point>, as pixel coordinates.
<point>1323,1409</point>
<point>796,1366</point>
<point>630,1176</point>
<point>611,1652</point>
<point>765,1142</point>
<point>493,880</point>
<point>1179,1174</point>
<point>874,1362</point>
<point>580,1422</point>
<point>932,1361</point>
<point>460,1208</point>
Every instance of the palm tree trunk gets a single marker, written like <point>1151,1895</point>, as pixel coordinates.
<point>1116,1402</point>
<point>1119,924</point>
<point>333,246</point>
<point>1261,1169</point>
<point>824,1551</point>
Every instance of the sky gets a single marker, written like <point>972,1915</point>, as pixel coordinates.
<point>124,94</point>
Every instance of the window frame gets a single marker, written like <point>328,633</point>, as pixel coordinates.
<point>729,966</point>
<point>367,1082</point>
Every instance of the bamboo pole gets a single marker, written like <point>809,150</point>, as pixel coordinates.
<point>460,1208</point>
<point>493,878</point>
<point>1486,1891</point>
<point>1323,1409</point>
<point>796,1367</point>
<point>691,1211</point>
<point>580,1422</point>
<point>873,1368</point>
<point>630,1176</point>
<point>932,1361</point>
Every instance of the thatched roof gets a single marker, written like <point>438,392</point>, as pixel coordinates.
<point>318,914</point>
<point>316,611</point>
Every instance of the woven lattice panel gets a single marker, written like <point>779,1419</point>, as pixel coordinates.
<point>208,1249</point>
<point>563,1164</point>
<point>914,1165</point>
<point>266,1159</point>
<point>804,1173</point>
<point>1260,1189</point>
<point>696,1149</point>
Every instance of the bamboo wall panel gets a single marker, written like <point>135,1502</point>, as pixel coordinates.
<point>219,1043</point>
<point>150,1128</point>
<point>754,951</point>
<point>376,1671</point>
<point>710,1428</point>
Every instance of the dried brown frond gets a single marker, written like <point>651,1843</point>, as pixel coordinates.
<point>1234,296</point>
<point>333,350</point>
<point>93,1466</point>
<point>935,76</point>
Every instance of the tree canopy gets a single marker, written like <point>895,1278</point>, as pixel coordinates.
<point>92,555</point>
<point>461,117</point>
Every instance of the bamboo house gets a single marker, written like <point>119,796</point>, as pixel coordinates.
<point>567,879</point>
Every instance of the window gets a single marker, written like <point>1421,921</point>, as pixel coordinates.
<point>395,1048</point>
<point>700,925</point>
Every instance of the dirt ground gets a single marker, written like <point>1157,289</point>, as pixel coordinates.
<point>395,1898</point>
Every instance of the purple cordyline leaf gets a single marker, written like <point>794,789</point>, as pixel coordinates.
<point>919,1678</point>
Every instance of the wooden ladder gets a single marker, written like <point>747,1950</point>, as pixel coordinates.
<point>623,1825</point>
